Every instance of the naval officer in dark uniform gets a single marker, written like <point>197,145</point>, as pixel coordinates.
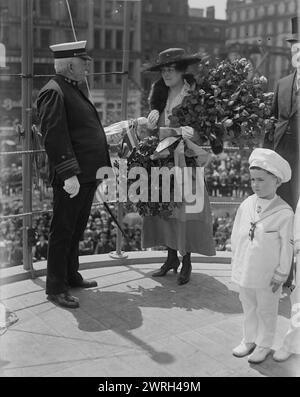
<point>76,147</point>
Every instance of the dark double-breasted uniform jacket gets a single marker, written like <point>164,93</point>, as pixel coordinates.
<point>73,136</point>
<point>286,136</point>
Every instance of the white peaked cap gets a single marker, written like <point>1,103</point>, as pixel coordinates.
<point>70,50</point>
<point>272,162</point>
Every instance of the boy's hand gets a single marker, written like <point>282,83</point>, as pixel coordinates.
<point>275,285</point>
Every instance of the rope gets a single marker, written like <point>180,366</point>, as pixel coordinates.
<point>22,152</point>
<point>52,75</point>
<point>230,148</point>
<point>6,217</point>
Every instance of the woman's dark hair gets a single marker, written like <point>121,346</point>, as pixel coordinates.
<point>159,92</point>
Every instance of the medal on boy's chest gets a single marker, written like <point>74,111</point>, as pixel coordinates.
<point>252,230</point>
<point>258,209</point>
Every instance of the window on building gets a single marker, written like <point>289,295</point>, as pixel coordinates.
<point>232,33</point>
<point>180,35</point>
<point>119,39</point>
<point>97,39</point>
<point>131,40</point>
<point>234,16</point>
<point>45,35</point>
<point>160,32</point>
<point>45,8</point>
<point>292,7</point>
<point>98,79</point>
<point>15,36</point>
<point>99,108</point>
<point>4,34</point>
<point>252,13</point>
<point>149,6</point>
<point>97,8</point>
<point>108,69</point>
<point>119,10</point>
<point>35,38</point>
<point>271,9</point>
<point>259,29</point>
<point>109,9</point>
<point>280,27</point>
<point>270,28</point>
<point>169,7</point>
<point>261,11</point>
<point>118,69</point>
<point>74,8</point>
<point>97,66</point>
<point>251,30</point>
<point>242,31</point>
<point>108,39</point>
<point>217,32</point>
<point>281,8</point>
<point>69,35</point>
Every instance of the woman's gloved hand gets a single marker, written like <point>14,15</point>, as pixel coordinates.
<point>153,117</point>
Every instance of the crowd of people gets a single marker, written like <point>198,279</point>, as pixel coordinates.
<point>99,237</point>
<point>227,175</point>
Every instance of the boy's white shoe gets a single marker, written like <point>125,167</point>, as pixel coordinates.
<point>281,354</point>
<point>243,349</point>
<point>259,355</point>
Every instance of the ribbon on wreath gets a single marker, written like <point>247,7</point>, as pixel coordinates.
<point>185,148</point>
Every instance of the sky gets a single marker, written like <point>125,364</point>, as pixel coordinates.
<point>220,6</point>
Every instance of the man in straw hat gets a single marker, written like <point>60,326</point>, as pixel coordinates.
<point>76,147</point>
<point>286,135</point>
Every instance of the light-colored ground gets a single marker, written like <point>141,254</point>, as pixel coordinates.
<point>134,325</point>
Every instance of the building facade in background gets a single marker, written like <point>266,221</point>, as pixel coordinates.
<point>254,28</point>
<point>258,29</point>
<point>171,23</point>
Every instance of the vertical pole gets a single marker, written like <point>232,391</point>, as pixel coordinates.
<point>27,73</point>
<point>125,67</point>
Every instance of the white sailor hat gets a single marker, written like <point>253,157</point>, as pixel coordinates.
<point>272,162</point>
<point>70,50</point>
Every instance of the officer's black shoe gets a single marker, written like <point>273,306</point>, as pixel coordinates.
<point>84,284</point>
<point>64,299</point>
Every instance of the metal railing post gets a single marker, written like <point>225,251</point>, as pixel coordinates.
<point>27,76</point>
<point>125,67</point>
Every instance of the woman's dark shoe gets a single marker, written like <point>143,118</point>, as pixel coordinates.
<point>168,265</point>
<point>186,270</point>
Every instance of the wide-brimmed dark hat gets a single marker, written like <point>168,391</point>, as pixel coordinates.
<point>295,31</point>
<point>173,55</point>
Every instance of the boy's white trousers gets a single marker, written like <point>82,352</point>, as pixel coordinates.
<point>260,306</point>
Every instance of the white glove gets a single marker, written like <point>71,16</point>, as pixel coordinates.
<point>72,186</point>
<point>153,117</point>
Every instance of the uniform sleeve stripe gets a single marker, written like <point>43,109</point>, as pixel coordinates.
<point>66,164</point>
<point>67,168</point>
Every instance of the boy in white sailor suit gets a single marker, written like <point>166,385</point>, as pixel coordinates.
<point>291,343</point>
<point>262,251</point>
